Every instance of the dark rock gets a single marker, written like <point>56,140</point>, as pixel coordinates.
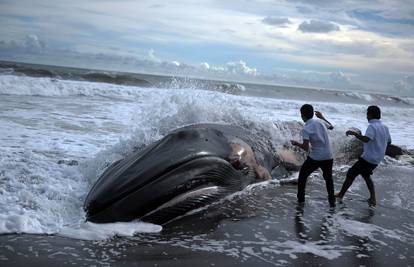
<point>395,151</point>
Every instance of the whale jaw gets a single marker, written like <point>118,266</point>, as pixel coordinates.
<point>189,186</point>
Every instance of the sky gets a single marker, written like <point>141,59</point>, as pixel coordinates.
<point>347,45</point>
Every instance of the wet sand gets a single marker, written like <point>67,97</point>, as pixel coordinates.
<point>261,227</point>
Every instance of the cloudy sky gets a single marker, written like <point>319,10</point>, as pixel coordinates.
<point>349,44</point>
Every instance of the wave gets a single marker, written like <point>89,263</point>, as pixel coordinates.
<point>17,69</point>
<point>153,125</point>
<point>6,71</point>
<point>64,73</point>
<point>19,85</point>
<point>409,100</point>
<point>198,84</point>
<point>45,86</point>
<point>62,76</point>
<point>231,88</point>
<point>374,98</point>
<point>121,79</point>
<point>42,196</point>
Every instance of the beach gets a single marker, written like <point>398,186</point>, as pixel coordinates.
<point>60,129</point>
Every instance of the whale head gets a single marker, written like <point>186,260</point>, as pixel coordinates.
<point>186,169</point>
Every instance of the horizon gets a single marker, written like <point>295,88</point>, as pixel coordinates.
<point>270,84</point>
<point>363,46</point>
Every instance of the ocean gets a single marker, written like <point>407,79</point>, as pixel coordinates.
<point>61,127</point>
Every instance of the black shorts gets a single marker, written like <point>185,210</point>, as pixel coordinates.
<point>362,167</point>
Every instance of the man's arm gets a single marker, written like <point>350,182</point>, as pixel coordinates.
<point>304,145</point>
<point>359,136</point>
<point>320,116</point>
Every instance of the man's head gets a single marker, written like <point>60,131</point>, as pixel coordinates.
<point>373,112</point>
<point>306,111</point>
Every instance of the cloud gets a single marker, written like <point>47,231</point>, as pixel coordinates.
<point>405,85</point>
<point>276,21</point>
<point>31,47</point>
<point>269,33</point>
<point>328,80</point>
<point>204,65</point>
<point>30,44</point>
<point>235,68</point>
<point>340,78</point>
<point>230,70</point>
<point>238,70</point>
<point>151,55</point>
<point>33,43</point>
<point>240,67</point>
<point>156,6</point>
<point>317,26</point>
<point>304,9</point>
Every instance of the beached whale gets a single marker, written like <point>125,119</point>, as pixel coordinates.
<point>191,167</point>
<point>188,168</point>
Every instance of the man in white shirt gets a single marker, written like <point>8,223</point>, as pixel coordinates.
<point>315,133</point>
<point>376,139</point>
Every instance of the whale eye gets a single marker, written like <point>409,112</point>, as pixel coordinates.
<point>206,140</point>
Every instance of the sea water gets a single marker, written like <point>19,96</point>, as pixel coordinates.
<point>58,135</point>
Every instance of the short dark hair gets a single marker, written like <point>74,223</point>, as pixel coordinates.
<point>374,111</point>
<point>307,111</point>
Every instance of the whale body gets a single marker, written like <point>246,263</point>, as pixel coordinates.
<point>190,167</point>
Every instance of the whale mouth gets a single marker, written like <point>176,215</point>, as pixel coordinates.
<point>204,188</point>
<point>184,186</point>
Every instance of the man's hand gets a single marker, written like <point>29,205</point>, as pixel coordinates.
<point>349,132</point>
<point>294,143</point>
<point>362,138</point>
<point>319,115</point>
<point>304,146</point>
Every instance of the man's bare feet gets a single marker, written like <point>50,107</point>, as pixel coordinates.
<point>371,202</point>
<point>339,197</point>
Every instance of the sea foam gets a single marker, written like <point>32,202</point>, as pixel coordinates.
<point>46,122</point>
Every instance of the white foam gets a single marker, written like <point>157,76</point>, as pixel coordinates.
<point>366,97</point>
<point>21,85</point>
<point>263,250</point>
<point>409,100</point>
<point>93,231</point>
<point>326,251</point>
<point>43,121</point>
<point>367,230</point>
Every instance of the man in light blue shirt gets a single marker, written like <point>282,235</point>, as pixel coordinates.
<point>376,139</point>
<point>315,138</point>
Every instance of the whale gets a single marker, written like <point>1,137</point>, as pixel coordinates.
<point>188,168</point>
<point>193,166</point>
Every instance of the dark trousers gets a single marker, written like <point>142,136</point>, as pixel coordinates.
<point>363,168</point>
<point>310,166</point>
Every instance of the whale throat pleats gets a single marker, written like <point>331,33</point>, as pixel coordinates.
<point>222,181</point>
